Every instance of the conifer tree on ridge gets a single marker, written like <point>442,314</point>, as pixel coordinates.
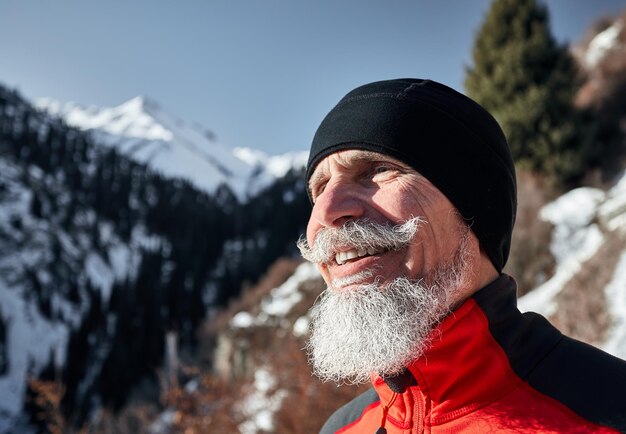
<point>528,81</point>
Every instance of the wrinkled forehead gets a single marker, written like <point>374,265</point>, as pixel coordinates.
<point>351,159</point>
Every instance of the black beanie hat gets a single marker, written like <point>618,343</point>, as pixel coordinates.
<point>445,136</point>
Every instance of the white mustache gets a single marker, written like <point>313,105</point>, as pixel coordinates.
<point>362,234</point>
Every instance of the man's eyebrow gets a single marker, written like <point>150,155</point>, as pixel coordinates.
<point>360,158</point>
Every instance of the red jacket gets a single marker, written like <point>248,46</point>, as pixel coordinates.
<point>492,369</point>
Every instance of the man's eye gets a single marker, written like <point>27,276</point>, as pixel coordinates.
<point>382,168</point>
<point>317,190</point>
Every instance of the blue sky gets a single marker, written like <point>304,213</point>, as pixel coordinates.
<point>258,73</point>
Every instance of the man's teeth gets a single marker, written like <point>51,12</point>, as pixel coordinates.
<point>343,257</point>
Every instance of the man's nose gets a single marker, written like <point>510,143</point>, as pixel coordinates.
<point>339,202</point>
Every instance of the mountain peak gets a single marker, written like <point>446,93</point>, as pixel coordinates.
<point>140,103</point>
<point>143,130</point>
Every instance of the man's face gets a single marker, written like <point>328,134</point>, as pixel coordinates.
<point>382,302</point>
<point>355,184</point>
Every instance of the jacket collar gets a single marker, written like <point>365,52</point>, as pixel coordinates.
<point>465,368</point>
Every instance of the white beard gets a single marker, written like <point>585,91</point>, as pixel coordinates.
<point>356,332</point>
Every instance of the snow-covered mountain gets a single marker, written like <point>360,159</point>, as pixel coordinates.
<point>141,129</point>
<point>101,255</point>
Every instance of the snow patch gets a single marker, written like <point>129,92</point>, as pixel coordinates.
<point>574,241</point>
<point>570,214</point>
<point>280,301</point>
<point>612,212</point>
<point>33,341</point>
<point>99,273</point>
<point>261,404</point>
<point>242,320</point>
<point>276,165</point>
<point>301,326</point>
<point>602,43</point>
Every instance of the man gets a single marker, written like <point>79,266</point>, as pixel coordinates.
<point>414,199</point>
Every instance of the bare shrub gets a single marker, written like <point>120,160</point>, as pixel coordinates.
<point>46,399</point>
<point>208,406</point>
<point>309,401</point>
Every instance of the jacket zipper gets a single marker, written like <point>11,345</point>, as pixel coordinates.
<point>419,409</point>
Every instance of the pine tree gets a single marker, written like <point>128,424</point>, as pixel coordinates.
<point>528,82</point>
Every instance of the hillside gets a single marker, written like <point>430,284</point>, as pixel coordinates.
<point>102,255</point>
<point>585,296</point>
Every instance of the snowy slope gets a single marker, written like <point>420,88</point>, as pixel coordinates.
<point>141,129</point>
<point>583,220</point>
<point>26,256</point>
<point>267,168</point>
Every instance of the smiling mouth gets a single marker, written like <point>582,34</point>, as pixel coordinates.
<point>343,257</point>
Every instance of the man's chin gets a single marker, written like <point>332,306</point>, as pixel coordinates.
<point>337,371</point>
<point>374,328</point>
<point>360,367</point>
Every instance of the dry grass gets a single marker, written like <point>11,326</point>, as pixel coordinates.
<point>583,312</point>
<point>47,396</point>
